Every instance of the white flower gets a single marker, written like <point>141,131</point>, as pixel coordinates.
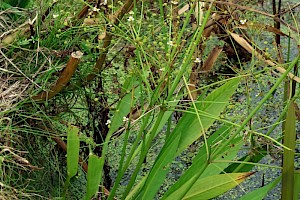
<point>55,16</point>
<point>170,43</point>
<point>162,69</point>
<point>95,9</point>
<point>197,60</point>
<point>108,122</point>
<point>125,119</point>
<point>243,21</point>
<point>130,19</point>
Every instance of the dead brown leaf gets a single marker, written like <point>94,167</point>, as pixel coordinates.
<point>212,57</point>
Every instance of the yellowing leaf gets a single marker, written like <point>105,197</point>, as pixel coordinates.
<point>213,186</point>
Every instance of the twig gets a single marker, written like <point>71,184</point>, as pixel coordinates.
<point>63,80</point>
<point>288,10</point>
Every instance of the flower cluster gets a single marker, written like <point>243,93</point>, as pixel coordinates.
<point>197,60</point>
<point>131,18</point>
<point>243,21</point>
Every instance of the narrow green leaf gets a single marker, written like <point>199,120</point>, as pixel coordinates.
<point>124,105</point>
<point>242,167</point>
<point>164,120</point>
<point>289,140</point>
<point>230,153</point>
<point>72,150</point>
<point>184,183</point>
<point>262,192</point>
<point>93,175</point>
<point>216,185</point>
<point>123,109</point>
<point>189,126</point>
<point>159,170</point>
<point>186,132</point>
<point>136,189</point>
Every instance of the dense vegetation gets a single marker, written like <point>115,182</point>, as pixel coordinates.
<point>149,99</point>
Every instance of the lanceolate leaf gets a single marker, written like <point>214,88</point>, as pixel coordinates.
<point>186,132</point>
<point>123,108</point>
<point>93,175</point>
<point>189,126</point>
<point>159,170</point>
<point>181,187</point>
<point>213,186</point>
<point>72,150</point>
<point>242,167</point>
<point>230,153</point>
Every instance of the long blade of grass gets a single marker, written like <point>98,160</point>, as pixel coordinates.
<point>260,104</point>
<point>123,110</point>
<point>242,167</point>
<point>181,187</point>
<point>159,170</point>
<point>186,132</point>
<point>189,126</point>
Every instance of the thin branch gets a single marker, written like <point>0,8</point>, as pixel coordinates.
<point>63,80</point>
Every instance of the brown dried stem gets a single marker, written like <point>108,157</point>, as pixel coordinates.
<point>84,10</point>
<point>63,80</point>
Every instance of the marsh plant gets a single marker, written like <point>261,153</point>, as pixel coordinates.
<point>148,99</point>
